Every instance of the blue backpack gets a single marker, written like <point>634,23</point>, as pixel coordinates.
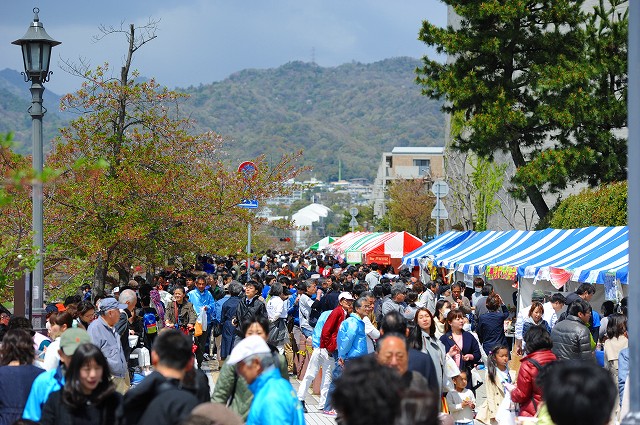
<point>150,323</point>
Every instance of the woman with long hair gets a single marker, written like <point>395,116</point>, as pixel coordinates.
<point>17,373</point>
<point>442,309</point>
<point>616,341</point>
<point>231,388</point>
<point>59,322</point>
<point>462,345</point>
<point>88,396</point>
<point>423,338</point>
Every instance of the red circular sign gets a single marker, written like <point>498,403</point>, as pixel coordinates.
<point>248,170</point>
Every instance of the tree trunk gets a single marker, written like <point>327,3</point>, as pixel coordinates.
<point>533,193</point>
<point>99,275</point>
<point>124,274</point>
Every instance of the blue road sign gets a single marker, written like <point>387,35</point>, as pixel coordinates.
<point>248,203</point>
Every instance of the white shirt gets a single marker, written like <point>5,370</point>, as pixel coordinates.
<point>372,334</point>
<point>372,278</point>
<point>524,313</point>
<point>51,356</point>
<point>454,401</point>
<point>276,308</point>
<point>166,298</point>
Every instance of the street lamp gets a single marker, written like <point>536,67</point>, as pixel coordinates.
<point>36,53</point>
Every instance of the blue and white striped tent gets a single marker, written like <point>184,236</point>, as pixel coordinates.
<point>591,254</point>
<point>444,241</point>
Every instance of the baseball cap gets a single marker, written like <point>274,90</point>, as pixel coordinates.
<point>110,303</point>
<point>116,289</point>
<point>537,295</point>
<point>249,346</point>
<point>51,308</point>
<point>345,296</point>
<point>72,338</point>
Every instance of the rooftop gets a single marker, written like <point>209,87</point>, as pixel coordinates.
<point>419,150</point>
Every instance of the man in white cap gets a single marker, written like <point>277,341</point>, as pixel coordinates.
<point>274,400</point>
<point>104,336</point>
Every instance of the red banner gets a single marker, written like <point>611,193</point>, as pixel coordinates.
<point>384,259</point>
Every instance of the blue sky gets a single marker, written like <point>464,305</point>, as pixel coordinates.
<point>201,41</point>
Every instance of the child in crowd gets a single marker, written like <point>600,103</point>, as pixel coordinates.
<point>461,401</point>
<point>499,380</point>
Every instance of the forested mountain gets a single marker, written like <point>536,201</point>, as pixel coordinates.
<point>15,100</point>
<point>352,113</point>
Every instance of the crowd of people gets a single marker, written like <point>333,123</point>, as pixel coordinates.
<point>393,349</point>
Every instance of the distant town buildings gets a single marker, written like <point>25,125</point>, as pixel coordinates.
<point>405,163</point>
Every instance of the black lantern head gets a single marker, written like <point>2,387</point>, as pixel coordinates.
<point>36,51</point>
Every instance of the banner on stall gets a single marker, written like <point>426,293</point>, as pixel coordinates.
<point>501,272</point>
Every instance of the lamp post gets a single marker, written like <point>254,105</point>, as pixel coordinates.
<point>36,53</point>
<point>633,205</point>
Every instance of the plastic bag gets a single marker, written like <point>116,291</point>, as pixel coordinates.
<point>202,319</point>
<point>450,370</point>
<point>506,414</point>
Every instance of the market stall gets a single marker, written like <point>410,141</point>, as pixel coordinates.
<point>321,244</point>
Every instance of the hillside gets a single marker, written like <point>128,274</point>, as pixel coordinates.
<point>352,113</point>
<point>15,100</point>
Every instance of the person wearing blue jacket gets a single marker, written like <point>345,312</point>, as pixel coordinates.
<point>53,380</point>
<point>201,298</point>
<point>351,341</point>
<point>274,400</point>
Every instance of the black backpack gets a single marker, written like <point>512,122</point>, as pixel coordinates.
<point>316,311</point>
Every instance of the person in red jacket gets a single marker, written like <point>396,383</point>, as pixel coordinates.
<point>329,338</point>
<point>526,392</point>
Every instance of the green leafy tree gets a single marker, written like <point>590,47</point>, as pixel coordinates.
<point>487,179</point>
<point>594,150</point>
<point>16,251</point>
<point>517,76</point>
<point>605,206</point>
<point>410,206</point>
<point>164,190</point>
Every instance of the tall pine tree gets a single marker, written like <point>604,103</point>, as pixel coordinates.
<point>523,75</point>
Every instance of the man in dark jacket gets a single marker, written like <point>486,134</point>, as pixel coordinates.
<point>160,398</point>
<point>393,322</point>
<point>250,305</point>
<point>585,292</point>
<point>571,337</point>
